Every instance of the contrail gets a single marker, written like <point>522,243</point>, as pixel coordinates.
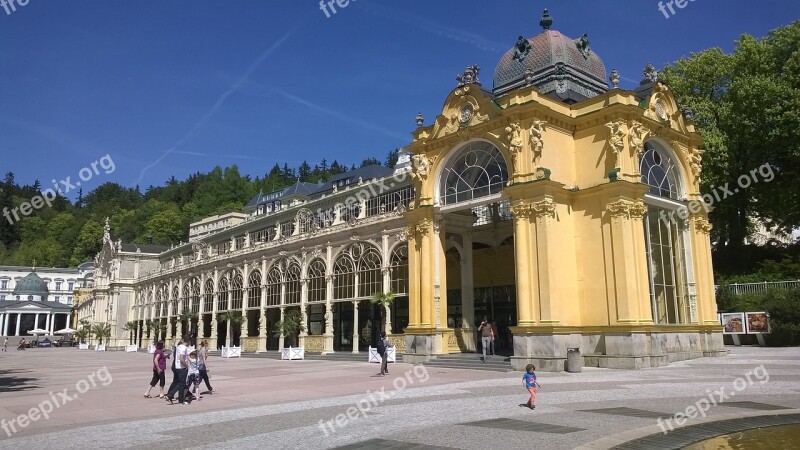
<point>235,87</point>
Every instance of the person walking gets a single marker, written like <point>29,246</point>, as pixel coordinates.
<point>383,350</point>
<point>179,363</point>
<point>5,345</point>
<point>529,382</point>
<point>486,337</point>
<point>193,380</point>
<point>202,358</point>
<point>159,367</point>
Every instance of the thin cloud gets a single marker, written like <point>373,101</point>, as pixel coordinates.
<point>241,81</point>
<point>438,29</point>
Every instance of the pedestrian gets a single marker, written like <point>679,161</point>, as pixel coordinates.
<point>193,380</point>
<point>530,383</point>
<point>202,357</point>
<point>179,365</point>
<point>494,337</point>
<point>486,337</point>
<point>159,367</point>
<point>5,345</point>
<point>383,349</point>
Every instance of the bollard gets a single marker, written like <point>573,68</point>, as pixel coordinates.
<point>574,362</point>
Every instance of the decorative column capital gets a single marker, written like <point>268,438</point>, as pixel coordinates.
<point>701,224</point>
<point>521,211</point>
<point>627,209</point>
<point>544,208</point>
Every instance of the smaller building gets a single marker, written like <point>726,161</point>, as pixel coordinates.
<point>33,298</point>
<point>214,224</point>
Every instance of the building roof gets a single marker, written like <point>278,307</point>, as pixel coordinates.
<point>144,248</point>
<point>559,66</point>
<point>31,284</point>
<point>6,305</point>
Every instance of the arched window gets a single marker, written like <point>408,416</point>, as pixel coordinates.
<point>668,250</point>
<point>476,170</point>
<point>398,269</point>
<point>293,283</point>
<point>185,297</point>
<point>316,281</point>
<point>254,290</point>
<point>370,278</point>
<point>344,277</point>
<point>208,301</point>
<point>161,298</point>
<point>659,171</point>
<point>194,299</point>
<point>222,294</point>
<point>176,306</point>
<point>237,294</point>
<point>274,286</point>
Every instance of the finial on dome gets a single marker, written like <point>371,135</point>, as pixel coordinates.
<point>547,20</point>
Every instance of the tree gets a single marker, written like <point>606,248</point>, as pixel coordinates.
<point>131,328</point>
<point>747,108</point>
<point>166,227</point>
<point>384,300</point>
<point>90,239</point>
<point>81,335</point>
<point>234,319</point>
<point>86,329</point>
<point>370,162</point>
<point>101,331</point>
<point>290,326</point>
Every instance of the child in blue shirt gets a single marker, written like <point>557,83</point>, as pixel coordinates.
<point>529,382</point>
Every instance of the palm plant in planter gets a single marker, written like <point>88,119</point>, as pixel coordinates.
<point>87,329</point>
<point>234,319</point>
<point>384,300</point>
<point>290,326</point>
<point>186,318</point>
<point>81,335</point>
<point>101,330</point>
<point>149,325</point>
<point>130,327</point>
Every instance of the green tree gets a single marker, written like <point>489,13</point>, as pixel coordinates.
<point>101,331</point>
<point>90,239</point>
<point>131,327</point>
<point>166,227</point>
<point>383,300</point>
<point>290,326</point>
<point>747,108</point>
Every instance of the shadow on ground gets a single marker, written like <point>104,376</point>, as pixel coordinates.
<point>14,380</point>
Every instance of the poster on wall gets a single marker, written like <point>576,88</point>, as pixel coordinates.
<point>732,323</point>
<point>757,322</point>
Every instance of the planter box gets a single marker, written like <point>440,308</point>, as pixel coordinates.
<point>151,349</point>
<point>99,348</point>
<point>131,348</point>
<point>374,357</point>
<point>291,353</point>
<point>83,346</point>
<point>231,352</point>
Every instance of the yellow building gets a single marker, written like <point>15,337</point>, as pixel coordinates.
<point>561,209</point>
<point>590,176</point>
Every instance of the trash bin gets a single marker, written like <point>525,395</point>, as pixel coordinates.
<point>574,362</point>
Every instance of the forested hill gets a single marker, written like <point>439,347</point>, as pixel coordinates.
<point>68,233</point>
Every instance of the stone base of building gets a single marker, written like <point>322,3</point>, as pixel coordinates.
<point>653,346</point>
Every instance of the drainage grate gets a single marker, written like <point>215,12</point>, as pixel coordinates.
<point>754,405</point>
<point>384,444</point>
<point>522,425</point>
<point>630,412</point>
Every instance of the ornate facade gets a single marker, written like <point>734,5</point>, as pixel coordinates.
<point>542,204</point>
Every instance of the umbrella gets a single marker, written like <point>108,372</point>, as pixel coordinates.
<point>38,331</point>
<point>67,330</point>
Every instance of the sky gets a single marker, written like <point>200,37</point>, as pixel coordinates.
<point>170,88</point>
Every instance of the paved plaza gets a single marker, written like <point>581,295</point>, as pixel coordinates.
<point>267,403</point>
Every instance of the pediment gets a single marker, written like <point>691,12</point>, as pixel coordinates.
<point>662,107</point>
<point>465,107</point>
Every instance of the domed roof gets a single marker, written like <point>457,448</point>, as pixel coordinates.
<point>567,68</point>
<point>31,284</point>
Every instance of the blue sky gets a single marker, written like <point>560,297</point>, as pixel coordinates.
<point>175,87</point>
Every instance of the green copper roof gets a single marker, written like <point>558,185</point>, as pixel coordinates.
<point>32,284</point>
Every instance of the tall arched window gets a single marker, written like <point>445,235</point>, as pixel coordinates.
<point>476,170</point>
<point>344,277</point>
<point>185,297</point>
<point>370,278</point>
<point>254,290</point>
<point>194,299</point>
<point>222,294</point>
<point>237,283</point>
<point>208,301</point>
<point>274,286</point>
<point>398,269</point>
<point>317,286</point>
<point>668,252</point>
<point>293,283</point>
<point>176,306</point>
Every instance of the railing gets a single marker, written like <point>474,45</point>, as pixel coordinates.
<point>747,288</point>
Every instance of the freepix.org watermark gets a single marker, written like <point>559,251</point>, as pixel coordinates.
<point>419,374</point>
<point>56,400</point>
<point>720,193</point>
<point>330,5</point>
<point>10,6</point>
<point>714,398</point>
<point>668,8</point>
<point>61,187</point>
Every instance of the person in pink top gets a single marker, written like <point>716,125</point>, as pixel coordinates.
<point>159,366</point>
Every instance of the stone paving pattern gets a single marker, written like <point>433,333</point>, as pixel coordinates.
<point>266,403</point>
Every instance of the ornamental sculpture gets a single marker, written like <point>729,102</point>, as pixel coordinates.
<point>522,49</point>
<point>616,140</point>
<point>537,143</point>
<point>638,134</point>
<point>514,139</point>
<point>469,76</point>
<point>421,167</point>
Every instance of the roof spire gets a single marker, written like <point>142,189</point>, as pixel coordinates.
<point>547,20</point>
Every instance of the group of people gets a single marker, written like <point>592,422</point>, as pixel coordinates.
<point>189,368</point>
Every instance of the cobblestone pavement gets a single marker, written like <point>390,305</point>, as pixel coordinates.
<point>69,398</point>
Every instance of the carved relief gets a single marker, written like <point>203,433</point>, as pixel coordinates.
<point>521,211</point>
<point>627,209</point>
<point>616,140</point>
<point>638,134</point>
<point>421,167</point>
<point>424,227</point>
<point>544,208</point>
<point>695,161</point>
<point>451,126</point>
<point>537,143</point>
<point>702,225</point>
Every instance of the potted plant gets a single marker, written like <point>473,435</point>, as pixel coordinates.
<point>234,320</point>
<point>101,330</point>
<point>290,327</point>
